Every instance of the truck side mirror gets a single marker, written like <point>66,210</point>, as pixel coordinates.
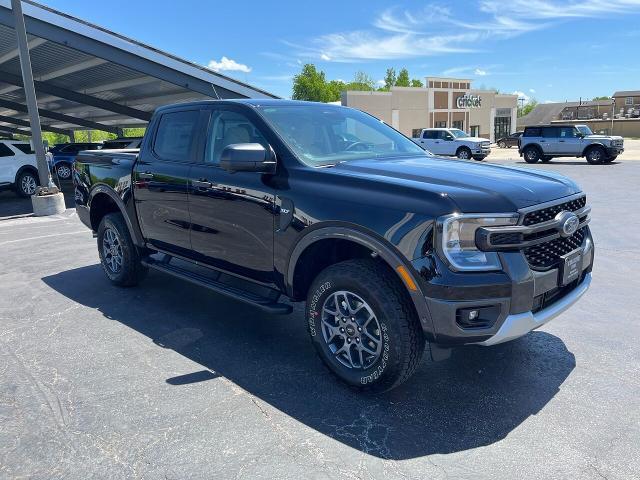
<point>448,137</point>
<point>247,157</point>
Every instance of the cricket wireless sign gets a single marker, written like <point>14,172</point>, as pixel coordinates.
<point>469,101</point>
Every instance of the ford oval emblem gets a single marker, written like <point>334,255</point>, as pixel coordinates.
<point>568,223</point>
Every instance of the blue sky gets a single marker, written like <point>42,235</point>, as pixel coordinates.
<point>547,50</point>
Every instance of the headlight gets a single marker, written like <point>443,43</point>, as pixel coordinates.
<point>456,241</point>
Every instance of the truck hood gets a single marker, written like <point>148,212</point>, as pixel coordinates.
<point>603,137</point>
<point>475,140</point>
<point>473,187</point>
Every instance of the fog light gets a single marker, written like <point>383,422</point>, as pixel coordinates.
<point>477,317</point>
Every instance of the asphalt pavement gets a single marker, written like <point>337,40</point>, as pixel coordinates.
<point>167,380</point>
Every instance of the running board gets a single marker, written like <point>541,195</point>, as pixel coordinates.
<point>270,305</point>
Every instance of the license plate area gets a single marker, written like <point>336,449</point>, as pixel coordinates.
<point>570,267</point>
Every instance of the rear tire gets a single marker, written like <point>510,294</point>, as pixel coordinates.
<point>363,325</point>
<point>531,154</point>
<point>596,155</point>
<point>27,183</point>
<point>463,153</point>
<point>63,170</point>
<point>478,158</point>
<point>502,144</point>
<point>119,257</point>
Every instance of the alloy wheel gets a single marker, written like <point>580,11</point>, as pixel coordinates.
<point>112,250</point>
<point>463,154</point>
<point>64,172</point>
<point>351,330</point>
<point>28,184</point>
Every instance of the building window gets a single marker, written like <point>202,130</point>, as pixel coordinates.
<point>416,132</point>
<point>459,124</point>
<point>628,101</point>
<point>475,130</point>
<point>501,127</point>
<point>441,124</point>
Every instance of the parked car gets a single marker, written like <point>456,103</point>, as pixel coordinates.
<point>18,167</point>
<point>509,141</point>
<point>453,142</point>
<point>65,154</point>
<point>259,199</point>
<point>544,142</point>
<point>122,143</point>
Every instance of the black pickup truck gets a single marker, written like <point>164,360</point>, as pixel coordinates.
<point>390,246</point>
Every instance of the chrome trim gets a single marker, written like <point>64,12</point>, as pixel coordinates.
<point>520,324</point>
<point>551,203</point>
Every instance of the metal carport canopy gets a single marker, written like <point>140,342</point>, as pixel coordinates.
<point>89,77</point>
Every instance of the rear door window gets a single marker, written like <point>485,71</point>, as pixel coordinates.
<point>430,135</point>
<point>24,147</point>
<point>5,151</point>
<point>550,132</point>
<point>175,135</point>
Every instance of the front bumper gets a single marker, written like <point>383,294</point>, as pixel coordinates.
<point>614,151</point>
<point>523,298</point>
<point>481,151</point>
<point>517,325</point>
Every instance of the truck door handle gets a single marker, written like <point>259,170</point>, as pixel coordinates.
<point>145,175</point>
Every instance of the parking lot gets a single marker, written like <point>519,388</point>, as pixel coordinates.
<point>168,380</point>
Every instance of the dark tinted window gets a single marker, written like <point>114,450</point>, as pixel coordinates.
<point>516,135</point>
<point>175,135</point>
<point>532,132</point>
<point>550,132</point>
<point>23,147</point>
<point>5,151</point>
<point>429,134</point>
<point>91,146</point>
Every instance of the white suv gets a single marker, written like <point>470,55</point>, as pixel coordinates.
<point>18,167</point>
<point>453,142</point>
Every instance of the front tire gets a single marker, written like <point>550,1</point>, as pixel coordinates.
<point>611,159</point>
<point>27,183</point>
<point>596,155</point>
<point>363,325</point>
<point>502,144</point>
<point>546,159</point>
<point>463,153</point>
<point>119,257</point>
<point>531,154</point>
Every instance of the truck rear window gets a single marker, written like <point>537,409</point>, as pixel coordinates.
<point>175,134</point>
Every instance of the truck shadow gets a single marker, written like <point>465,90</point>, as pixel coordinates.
<point>471,400</point>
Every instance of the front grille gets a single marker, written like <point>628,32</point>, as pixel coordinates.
<point>544,256</point>
<point>506,238</point>
<point>549,213</point>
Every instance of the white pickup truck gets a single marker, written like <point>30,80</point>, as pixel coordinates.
<point>453,142</point>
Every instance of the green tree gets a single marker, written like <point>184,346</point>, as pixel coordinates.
<point>601,98</point>
<point>310,84</point>
<point>403,78</point>
<point>528,108</point>
<point>416,83</point>
<point>335,88</point>
<point>361,81</point>
<point>389,79</point>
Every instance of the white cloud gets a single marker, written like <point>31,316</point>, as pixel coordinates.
<point>532,90</point>
<point>227,65</point>
<point>380,83</point>
<point>522,96</point>
<point>480,72</point>
<point>325,57</point>
<point>436,30</point>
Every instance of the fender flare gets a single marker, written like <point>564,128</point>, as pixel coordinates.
<point>111,193</point>
<point>591,145</point>
<point>386,252</point>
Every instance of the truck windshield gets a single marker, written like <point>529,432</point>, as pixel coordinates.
<point>584,130</point>
<point>458,133</point>
<point>325,135</point>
